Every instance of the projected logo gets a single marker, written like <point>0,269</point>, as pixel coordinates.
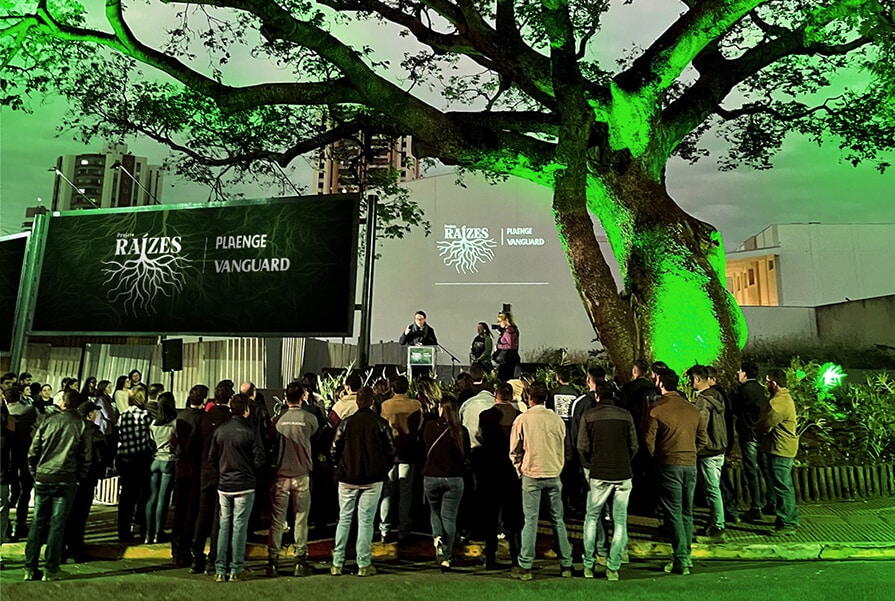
<point>464,248</point>
<point>143,269</point>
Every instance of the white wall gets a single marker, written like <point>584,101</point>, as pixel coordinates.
<point>821,264</point>
<point>535,279</point>
<point>768,323</point>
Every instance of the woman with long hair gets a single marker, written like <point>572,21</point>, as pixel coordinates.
<point>482,347</point>
<point>88,392</point>
<point>507,354</point>
<point>106,414</point>
<point>447,447</point>
<point>161,471</point>
<point>464,388</point>
<point>122,393</point>
<point>428,393</point>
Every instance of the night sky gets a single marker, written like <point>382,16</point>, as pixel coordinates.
<point>807,183</point>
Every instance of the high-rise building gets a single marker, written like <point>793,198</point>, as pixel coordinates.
<point>335,174</point>
<point>98,180</point>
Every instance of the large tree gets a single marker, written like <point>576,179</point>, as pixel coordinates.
<point>523,93</point>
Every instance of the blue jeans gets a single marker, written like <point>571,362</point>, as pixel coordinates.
<point>161,475</point>
<point>781,492</point>
<point>710,471</point>
<point>52,503</point>
<point>398,487</point>
<point>601,491</point>
<point>752,471</point>
<point>677,485</point>
<point>444,496</point>
<point>531,507</point>
<point>235,512</point>
<point>299,491</point>
<point>365,498</point>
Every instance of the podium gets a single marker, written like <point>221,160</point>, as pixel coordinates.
<point>421,360</point>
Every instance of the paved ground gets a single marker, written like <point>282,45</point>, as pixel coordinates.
<point>832,531</point>
<point>407,581</point>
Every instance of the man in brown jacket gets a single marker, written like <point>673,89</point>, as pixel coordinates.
<point>675,433</point>
<point>405,416</point>
<point>777,439</point>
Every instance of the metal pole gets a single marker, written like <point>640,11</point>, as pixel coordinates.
<point>363,342</point>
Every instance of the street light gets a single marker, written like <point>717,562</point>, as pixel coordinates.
<point>118,165</point>
<point>74,187</point>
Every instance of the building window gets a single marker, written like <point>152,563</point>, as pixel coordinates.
<point>770,264</point>
<point>751,277</point>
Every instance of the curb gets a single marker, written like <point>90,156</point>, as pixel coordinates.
<point>642,550</point>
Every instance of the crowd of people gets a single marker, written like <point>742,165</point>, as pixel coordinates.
<point>484,454</point>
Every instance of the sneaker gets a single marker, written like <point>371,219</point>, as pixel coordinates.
<point>445,566</point>
<point>612,575</point>
<point>521,573</point>
<point>220,578</point>
<point>335,570</point>
<point>565,572</point>
<point>716,534</point>
<point>302,569</point>
<point>439,551</point>
<point>53,576</point>
<point>197,569</point>
<point>369,570</point>
<point>241,577</point>
<point>32,574</point>
<point>753,515</point>
<point>784,531</point>
<point>601,560</point>
<point>588,572</point>
<point>674,568</point>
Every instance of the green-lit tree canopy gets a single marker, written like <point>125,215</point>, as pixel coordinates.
<point>509,87</point>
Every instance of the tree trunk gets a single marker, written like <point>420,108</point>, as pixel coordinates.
<point>673,268</point>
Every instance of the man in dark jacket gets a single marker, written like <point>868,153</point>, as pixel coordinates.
<point>607,441</point>
<point>710,460</point>
<point>747,403</point>
<point>207,518</point>
<point>80,511</point>
<point>59,458</point>
<point>7,428</point>
<point>23,417</point>
<point>675,434</point>
<point>237,451</point>
<point>501,487</point>
<point>364,452</point>
<point>188,448</point>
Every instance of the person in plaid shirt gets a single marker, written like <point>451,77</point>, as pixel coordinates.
<point>132,461</point>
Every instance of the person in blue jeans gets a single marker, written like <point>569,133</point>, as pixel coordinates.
<point>59,457</point>
<point>236,449</point>
<point>446,443</point>
<point>675,434</point>
<point>537,448</point>
<point>607,442</point>
<point>161,470</point>
<point>776,429</point>
<point>363,451</point>
<point>746,404</point>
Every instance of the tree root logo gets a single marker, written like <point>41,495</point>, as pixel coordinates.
<point>156,269</point>
<point>465,247</point>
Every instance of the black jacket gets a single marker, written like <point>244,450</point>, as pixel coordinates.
<point>420,335</point>
<point>607,440</point>
<point>747,403</point>
<point>188,441</point>
<point>363,448</point>
<point>208,423</point>
<point>495,425</point>
<point>237,451</point>
<point>61,451</point>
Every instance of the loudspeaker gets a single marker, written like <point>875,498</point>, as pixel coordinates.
<point>172,355</point>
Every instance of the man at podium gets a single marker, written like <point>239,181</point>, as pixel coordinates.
<point>419,333</point>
